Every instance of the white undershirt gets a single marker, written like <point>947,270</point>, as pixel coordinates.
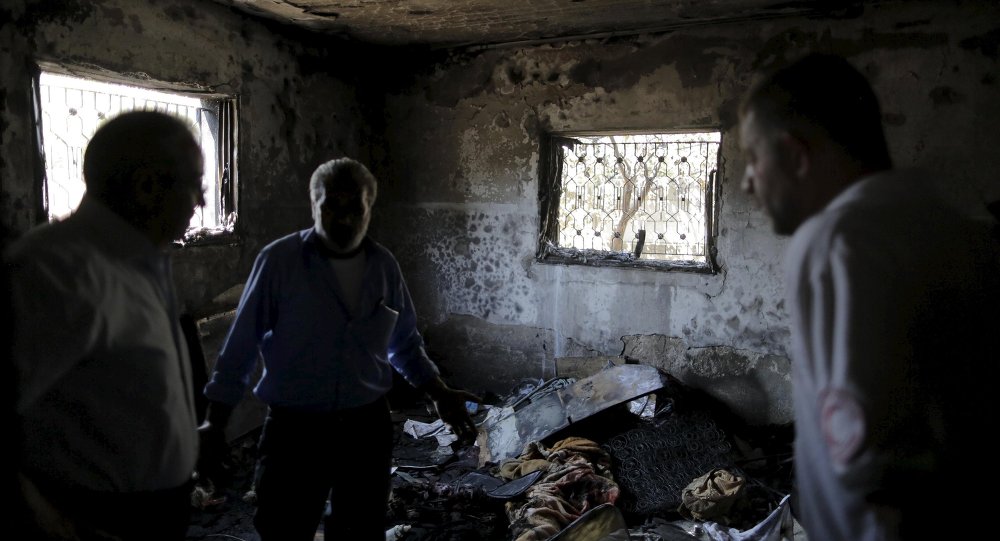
<point>349,272</point>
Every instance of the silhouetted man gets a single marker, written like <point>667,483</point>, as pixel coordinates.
<point>892,297</point>
<point>328,309</point>
<point>104,400</point>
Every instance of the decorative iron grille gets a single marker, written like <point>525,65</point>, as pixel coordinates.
<point>73,108</point>
<point>635,197</point>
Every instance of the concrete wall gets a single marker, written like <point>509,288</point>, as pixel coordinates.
<point>459,203</point>
<point>295,111</point>
<point>459,164</point>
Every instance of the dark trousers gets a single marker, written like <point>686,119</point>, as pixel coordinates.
<point>306,458</point>
<point>159,515</point>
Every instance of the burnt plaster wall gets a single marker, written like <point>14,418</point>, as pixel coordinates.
<point>295,110</point>
<point>460,198</point>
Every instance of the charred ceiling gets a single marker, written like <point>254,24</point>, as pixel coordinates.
<point>467,23</point>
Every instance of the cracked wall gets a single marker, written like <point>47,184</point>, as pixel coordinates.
<point>459,204</point>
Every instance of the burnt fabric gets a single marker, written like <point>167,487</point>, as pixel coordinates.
<point>577,479</point>
<point>711,496</point>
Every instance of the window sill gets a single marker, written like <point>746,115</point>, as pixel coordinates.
<point>208,238</point>
<point>621,260</point>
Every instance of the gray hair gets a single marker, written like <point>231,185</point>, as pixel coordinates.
<point>339,172</point>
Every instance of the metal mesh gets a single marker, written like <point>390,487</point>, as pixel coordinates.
<point>654,462</point>
<point>73,108</point>
<point>620,191</point>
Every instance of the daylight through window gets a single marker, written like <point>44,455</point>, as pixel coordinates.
<point>73,108</point>
<point>632,198</point>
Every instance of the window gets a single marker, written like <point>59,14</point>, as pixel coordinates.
<point>633,200</point>
<point>72,108</point>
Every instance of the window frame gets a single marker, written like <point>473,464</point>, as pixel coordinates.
<point>225,108</point>
<point>550,192</point>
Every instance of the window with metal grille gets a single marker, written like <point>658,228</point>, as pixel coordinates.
<point>71,110</point>
<point>630,199</point>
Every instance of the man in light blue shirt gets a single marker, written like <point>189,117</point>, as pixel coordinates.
<point>328,310</point>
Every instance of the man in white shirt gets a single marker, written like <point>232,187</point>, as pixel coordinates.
<point>893,303</point>
<point>104,397</point>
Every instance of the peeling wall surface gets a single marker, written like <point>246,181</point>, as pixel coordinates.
<point>454,138</point>
<point>460,202</point>
<point>295,111</point>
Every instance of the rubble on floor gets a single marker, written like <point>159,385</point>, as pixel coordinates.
<point>228,513</point>
<point>639,455</point>
<point>633,461</point>
<point>558,404</point>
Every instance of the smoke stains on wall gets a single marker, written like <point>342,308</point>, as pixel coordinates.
<point>462,142</point>
<point>294,116</point>
<point>454,138</point>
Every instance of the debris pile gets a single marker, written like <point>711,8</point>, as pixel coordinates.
<point>628,451</point>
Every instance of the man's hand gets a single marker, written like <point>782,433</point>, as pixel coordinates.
<point>213,460</point>
<point>450,406</point>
